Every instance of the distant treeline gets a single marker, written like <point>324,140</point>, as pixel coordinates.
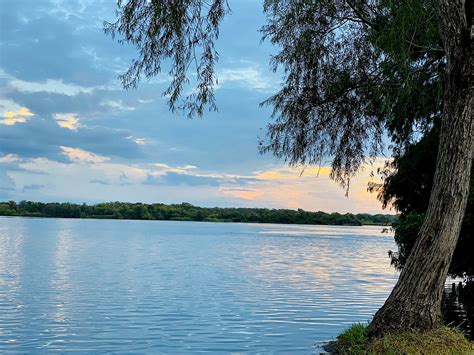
<point>187,212</point>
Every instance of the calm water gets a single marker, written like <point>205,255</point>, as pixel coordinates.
<point>185,287</point>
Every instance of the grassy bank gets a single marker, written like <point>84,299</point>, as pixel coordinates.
<point>439,341</point>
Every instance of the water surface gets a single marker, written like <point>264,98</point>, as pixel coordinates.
<point>185,287</point>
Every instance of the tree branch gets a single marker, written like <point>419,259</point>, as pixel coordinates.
<point>361,16</point>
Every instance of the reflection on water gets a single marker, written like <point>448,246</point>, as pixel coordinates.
<point>458,306</point>
<point>185,286</point>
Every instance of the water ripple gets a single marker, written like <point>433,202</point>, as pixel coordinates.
<point>178,287</point>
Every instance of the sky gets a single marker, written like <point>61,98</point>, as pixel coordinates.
<point>70,132</point>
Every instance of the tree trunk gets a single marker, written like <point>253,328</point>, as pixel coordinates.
<point>415,302</point>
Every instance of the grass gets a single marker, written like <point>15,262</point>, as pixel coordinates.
<point>443,340</point>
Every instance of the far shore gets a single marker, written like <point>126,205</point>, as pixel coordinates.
<point>190,213</point>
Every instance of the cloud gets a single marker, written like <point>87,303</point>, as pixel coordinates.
<point>172,178</point>
<point>288,173</point>
<point>117,105</point>
<point>8,105</point>
<point>9,158</point>
<point>152,180</point>
<point>246,194</point>
<point>43,137</point>
<point>187,175</point>
<point>82,156</point>
<point>12,117</point>
<point>311,189</point>
<point>67,120</point>
<point>49,86</point>
<point>7,184</point>
<point>178,169</point>
<point>33,187</point>
<point>176,179</point>
<point>86,170</point>
<point>250,77</point>
<point>99,181</point>
<point>31,27</point>
<point>140,141</point>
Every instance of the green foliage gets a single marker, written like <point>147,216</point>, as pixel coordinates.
<point>353,340</point>
<point>441,340</point>
<point>406,232</point>
<point>187,212</point>
<point>409,177</point>
<point>412,64</point>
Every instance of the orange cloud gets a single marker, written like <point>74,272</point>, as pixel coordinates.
<point>288,173</point>
<point>83,156</point>
<point>246,194</point>
<point>310,189</point>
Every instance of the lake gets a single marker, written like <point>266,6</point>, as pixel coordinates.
<point>185,287</point>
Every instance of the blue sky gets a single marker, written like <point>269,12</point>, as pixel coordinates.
<point>69,132</point>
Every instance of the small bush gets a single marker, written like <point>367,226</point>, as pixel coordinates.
<point>353,340</point>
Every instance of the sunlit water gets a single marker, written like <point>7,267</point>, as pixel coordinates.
<point>185,287</point>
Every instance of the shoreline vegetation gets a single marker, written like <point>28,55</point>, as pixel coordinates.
<point>189,212</point>
<point>440,340</point>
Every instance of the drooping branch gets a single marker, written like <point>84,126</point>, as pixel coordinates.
<point>176,34</point>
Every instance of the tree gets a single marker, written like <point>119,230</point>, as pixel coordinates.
<point>415,301</point>
<point>352,69</point>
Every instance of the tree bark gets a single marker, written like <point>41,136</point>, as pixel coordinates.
<point>415,302</point>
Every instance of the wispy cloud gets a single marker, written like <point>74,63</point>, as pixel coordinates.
<point>9,158</point>
<point>33,187</point>
<point>50,86</point>
<point>246,194</point>
<point>165,168</point>
<point>117,105</point>
<point>82,156</point>
<point>99,181</point>
<point>250,77</point>
<point>139,141</point>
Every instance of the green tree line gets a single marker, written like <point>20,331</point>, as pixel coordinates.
<point>188,212</point>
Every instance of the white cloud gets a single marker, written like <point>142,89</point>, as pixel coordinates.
<point>9,158</point>
<point>176,169</point>
<point>142,101</point>
<point>117,105</point>
<point>50,85</point>
<point>8,105</point>
<point>139,141</point>
<point>250,77</point>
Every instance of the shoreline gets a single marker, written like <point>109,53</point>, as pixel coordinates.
<point>183,220</point>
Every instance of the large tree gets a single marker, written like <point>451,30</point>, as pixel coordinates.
<point>353,69</point>
<point>415,302</point>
